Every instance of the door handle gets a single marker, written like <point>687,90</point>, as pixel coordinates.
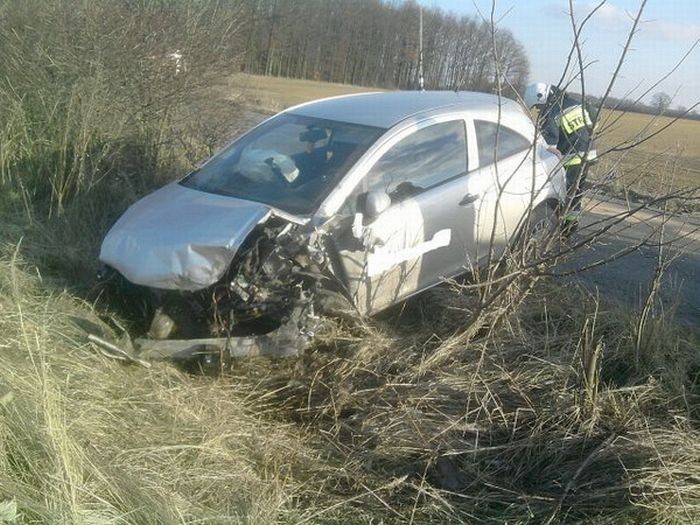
<point>468,199</point>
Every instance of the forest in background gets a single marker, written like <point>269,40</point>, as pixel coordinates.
<point>376,43</point>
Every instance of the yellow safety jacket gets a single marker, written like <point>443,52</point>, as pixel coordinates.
<point>567,125</point>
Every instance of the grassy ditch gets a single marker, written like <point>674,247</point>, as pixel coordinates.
<point>83,440</point>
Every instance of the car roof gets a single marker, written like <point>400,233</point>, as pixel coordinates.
<point>386,109</point>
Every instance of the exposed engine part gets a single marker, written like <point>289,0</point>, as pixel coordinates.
<point>162,325</point>
<point>287,341</point>
<point>276,270</point>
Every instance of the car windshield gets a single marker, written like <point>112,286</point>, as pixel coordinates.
<point>290,162</point>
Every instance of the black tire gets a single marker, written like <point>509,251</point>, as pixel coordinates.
<point>539,233</point>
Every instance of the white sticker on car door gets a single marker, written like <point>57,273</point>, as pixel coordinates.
<point>383,258</point>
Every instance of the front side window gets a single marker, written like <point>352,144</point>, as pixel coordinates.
<point>291,162</point>
<point>424,159</point>
<point>497,142</point>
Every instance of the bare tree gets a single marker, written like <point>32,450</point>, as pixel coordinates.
<point>661,101</point>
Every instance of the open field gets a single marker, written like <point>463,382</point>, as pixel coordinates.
<point>275,94</point>
<point>668,160</point>
<point>681,138</point>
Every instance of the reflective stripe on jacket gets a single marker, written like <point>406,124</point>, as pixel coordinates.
<point>573,119</point>
<point>577,158</point>
<point>567,124</point>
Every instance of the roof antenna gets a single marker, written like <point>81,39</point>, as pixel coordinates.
<point>421,81</point>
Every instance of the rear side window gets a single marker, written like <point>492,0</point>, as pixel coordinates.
<point>428,157</point>
<point>509,142</point>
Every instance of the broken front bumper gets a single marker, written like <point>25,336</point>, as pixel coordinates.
<point>289,340</point>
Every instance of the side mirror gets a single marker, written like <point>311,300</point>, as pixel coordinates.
<point>369,207</point>
<point>377,202</point>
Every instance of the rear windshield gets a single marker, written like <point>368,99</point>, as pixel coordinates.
<point>290,162</point>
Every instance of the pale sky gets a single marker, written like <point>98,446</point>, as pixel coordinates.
<point>668,30</point>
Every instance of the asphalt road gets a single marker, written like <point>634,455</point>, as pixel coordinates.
<point>626,279</point>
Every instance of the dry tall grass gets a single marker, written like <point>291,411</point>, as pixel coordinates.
<point>85,440</point>
<point>510,427</point>
<point>89,92</point>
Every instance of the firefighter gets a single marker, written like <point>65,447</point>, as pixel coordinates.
<point>566,126</point>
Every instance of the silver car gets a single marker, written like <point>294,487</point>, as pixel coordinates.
<point>368,198</point>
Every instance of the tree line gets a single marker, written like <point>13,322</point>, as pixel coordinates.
<point>659,104</point>
<point>376,43</point>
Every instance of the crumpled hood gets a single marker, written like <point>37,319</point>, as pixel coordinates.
<point>178,238</point>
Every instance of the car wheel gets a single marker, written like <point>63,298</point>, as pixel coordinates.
<point>539,234</point>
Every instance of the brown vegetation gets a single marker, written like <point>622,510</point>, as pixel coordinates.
<point>548,418</point>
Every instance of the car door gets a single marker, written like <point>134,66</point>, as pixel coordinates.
<point>510,181</point>
<point>421,237</point>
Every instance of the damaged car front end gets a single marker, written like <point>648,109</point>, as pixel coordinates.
<point>215,264</point>
<point>247,297</point>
